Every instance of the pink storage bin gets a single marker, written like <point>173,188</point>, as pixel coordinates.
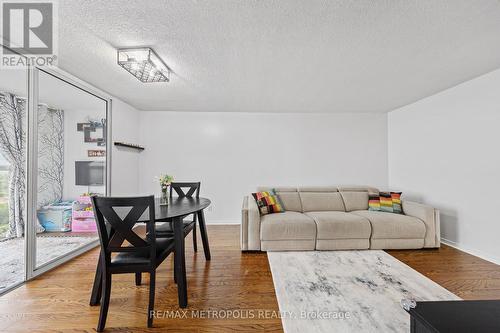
<point>83,214</point>
<point>84,200</point>
<point>83,225</point>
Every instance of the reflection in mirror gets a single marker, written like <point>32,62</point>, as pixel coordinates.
<point>71,166</point>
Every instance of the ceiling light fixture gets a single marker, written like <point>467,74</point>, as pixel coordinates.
<point>144,64</point>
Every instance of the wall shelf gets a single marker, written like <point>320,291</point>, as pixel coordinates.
<point>129,145</point>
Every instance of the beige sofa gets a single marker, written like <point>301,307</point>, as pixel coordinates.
<point>336,218</point>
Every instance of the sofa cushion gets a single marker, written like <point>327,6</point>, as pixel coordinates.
<point>321,199</point>
<point>291,201</point>
<point>369,189</point>
<point>287,226</point>
<point>340,225</point>
<point>388,225</point>
<point>288,195</point>
<point>355,200</point>
<point>342,244</point>
<point>318,189</point>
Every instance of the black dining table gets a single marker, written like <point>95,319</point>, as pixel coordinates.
<point>174,212</point>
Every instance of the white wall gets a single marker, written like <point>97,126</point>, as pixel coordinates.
<point>125,161</point>
<point>233,153</point>
<point>443,151</point>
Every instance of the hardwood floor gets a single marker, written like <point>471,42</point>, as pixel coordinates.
<point>465,275</point>
<point>58,300</point>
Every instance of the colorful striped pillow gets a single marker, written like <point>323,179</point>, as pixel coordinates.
<point>389,202</point>
<point>374,202</point>
<point>268,202</point>
<point>386,202</point>
<point>396,202</point>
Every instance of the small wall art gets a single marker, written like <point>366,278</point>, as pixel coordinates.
<point>94,131</point>
<point>96,153</point>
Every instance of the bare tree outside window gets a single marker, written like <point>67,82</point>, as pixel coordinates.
<point>50,157</point>
<point>12,146</point>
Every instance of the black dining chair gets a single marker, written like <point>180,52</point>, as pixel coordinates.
<point>183,189</point>
<point>123,250</point>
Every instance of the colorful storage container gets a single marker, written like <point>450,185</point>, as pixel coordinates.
<point>83,216</point>
<point>56,217</point>
<point>84,225</point>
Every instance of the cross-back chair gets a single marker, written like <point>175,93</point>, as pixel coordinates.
<point>183,189</point>
<point>125,251</point>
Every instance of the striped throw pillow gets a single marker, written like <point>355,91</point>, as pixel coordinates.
<point>386,202</point>
<point>374,202</point>
<point>268,202</point>
<point>389,202</point>
<point>396,202</point>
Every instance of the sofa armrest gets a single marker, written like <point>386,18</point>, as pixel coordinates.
<point>430,216</point>
<point>250,225</point>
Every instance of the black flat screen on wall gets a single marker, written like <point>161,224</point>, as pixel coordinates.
<point>89,173</point>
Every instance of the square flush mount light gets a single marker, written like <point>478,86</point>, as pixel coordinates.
<point>144,64</point>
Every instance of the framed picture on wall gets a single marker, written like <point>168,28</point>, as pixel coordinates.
<point>93,132</point>
<point>96,153</point>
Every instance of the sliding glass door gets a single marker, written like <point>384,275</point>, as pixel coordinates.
<point>13,126</point>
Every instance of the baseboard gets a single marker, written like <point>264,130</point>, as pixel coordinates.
<point>474,252</point>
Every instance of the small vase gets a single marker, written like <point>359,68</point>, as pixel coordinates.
<point>164,197</point>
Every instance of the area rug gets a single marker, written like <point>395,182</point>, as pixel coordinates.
<point>48,248</point>
<point>347,291</point>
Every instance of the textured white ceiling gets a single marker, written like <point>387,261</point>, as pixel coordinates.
<point>283,55</point>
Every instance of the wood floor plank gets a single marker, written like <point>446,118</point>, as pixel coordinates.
<point>58,300</point>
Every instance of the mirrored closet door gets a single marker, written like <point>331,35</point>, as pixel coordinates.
<point>71,125</point>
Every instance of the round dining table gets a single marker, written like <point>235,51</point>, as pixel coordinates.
<point>174,212</point>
